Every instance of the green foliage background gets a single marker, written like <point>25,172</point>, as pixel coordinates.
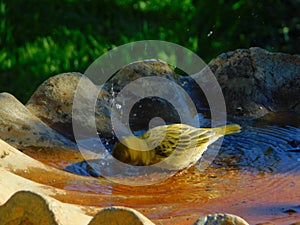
<point>41,38</point>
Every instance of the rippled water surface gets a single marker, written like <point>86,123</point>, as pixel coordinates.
<point>256,175</point>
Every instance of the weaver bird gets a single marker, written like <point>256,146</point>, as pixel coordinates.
<point>177,146</point>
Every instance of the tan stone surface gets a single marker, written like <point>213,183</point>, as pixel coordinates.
<point>26,202</point>
<point>26,207</point>
<point>23,201</point>
<point>20,128</point>
<point>52,102</point>
<point>14,161</point>
<point>120,215</point>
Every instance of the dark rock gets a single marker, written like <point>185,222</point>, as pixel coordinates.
<point>220,219</point>
<point>138,70</point>
<point>150,89</point>
<point>255,81</point>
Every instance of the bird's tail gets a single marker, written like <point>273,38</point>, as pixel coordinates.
<point>227,129</point>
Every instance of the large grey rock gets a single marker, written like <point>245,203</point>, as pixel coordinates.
<point>52,102</point>
<point>255,81</point>
<point>139,69</point>
<point>150,88</point>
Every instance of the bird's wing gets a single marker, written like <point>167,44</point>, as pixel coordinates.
<point>179,137</point>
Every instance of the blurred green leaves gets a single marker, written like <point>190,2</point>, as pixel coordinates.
<point>41,38</point>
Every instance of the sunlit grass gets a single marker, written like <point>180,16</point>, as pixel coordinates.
<point>39,39</point>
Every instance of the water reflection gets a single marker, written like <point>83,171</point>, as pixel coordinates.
<point>251,168</point>
<point>270,144</point>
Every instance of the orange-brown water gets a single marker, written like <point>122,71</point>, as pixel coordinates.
<point>186,196</point>
<point>263,189</point>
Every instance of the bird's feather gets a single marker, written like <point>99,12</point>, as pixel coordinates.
<point>184,143</point>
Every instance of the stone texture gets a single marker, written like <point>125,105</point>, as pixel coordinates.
<point>20,128</point>
<point>24,201</point>
<point>52,102</point>
<point>154,82</point>
<point>34,208</point>
<point>138,70</point>
<point>17,162</point>
<point>19,174</point>
<point>26,198</point>
<point>255,81</point>
<point>119,215</point>
<point>220,219</point>
<point>37,206</point>
<point>26,208</point>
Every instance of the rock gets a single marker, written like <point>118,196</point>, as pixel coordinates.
<point>220,219</point>
<point>119,215</point>
<point>278,76</point>
<point>138,70</point>
<point>26,208</point>
<point>40,203</point>
<point>15,161</point>
<point>25,199</point>
<point>20,128</point>
<point>150,89</point>
<point>255,81</point>
<point>52,102</point>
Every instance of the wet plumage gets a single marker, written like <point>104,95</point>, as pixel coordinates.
<point>176,146</point>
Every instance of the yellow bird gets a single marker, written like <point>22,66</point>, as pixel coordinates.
<point>176,146</point>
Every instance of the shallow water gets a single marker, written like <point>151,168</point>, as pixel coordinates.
<point>256,175</point>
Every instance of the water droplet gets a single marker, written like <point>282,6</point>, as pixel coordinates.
<point>118,106</point>
<point>209,34</point>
